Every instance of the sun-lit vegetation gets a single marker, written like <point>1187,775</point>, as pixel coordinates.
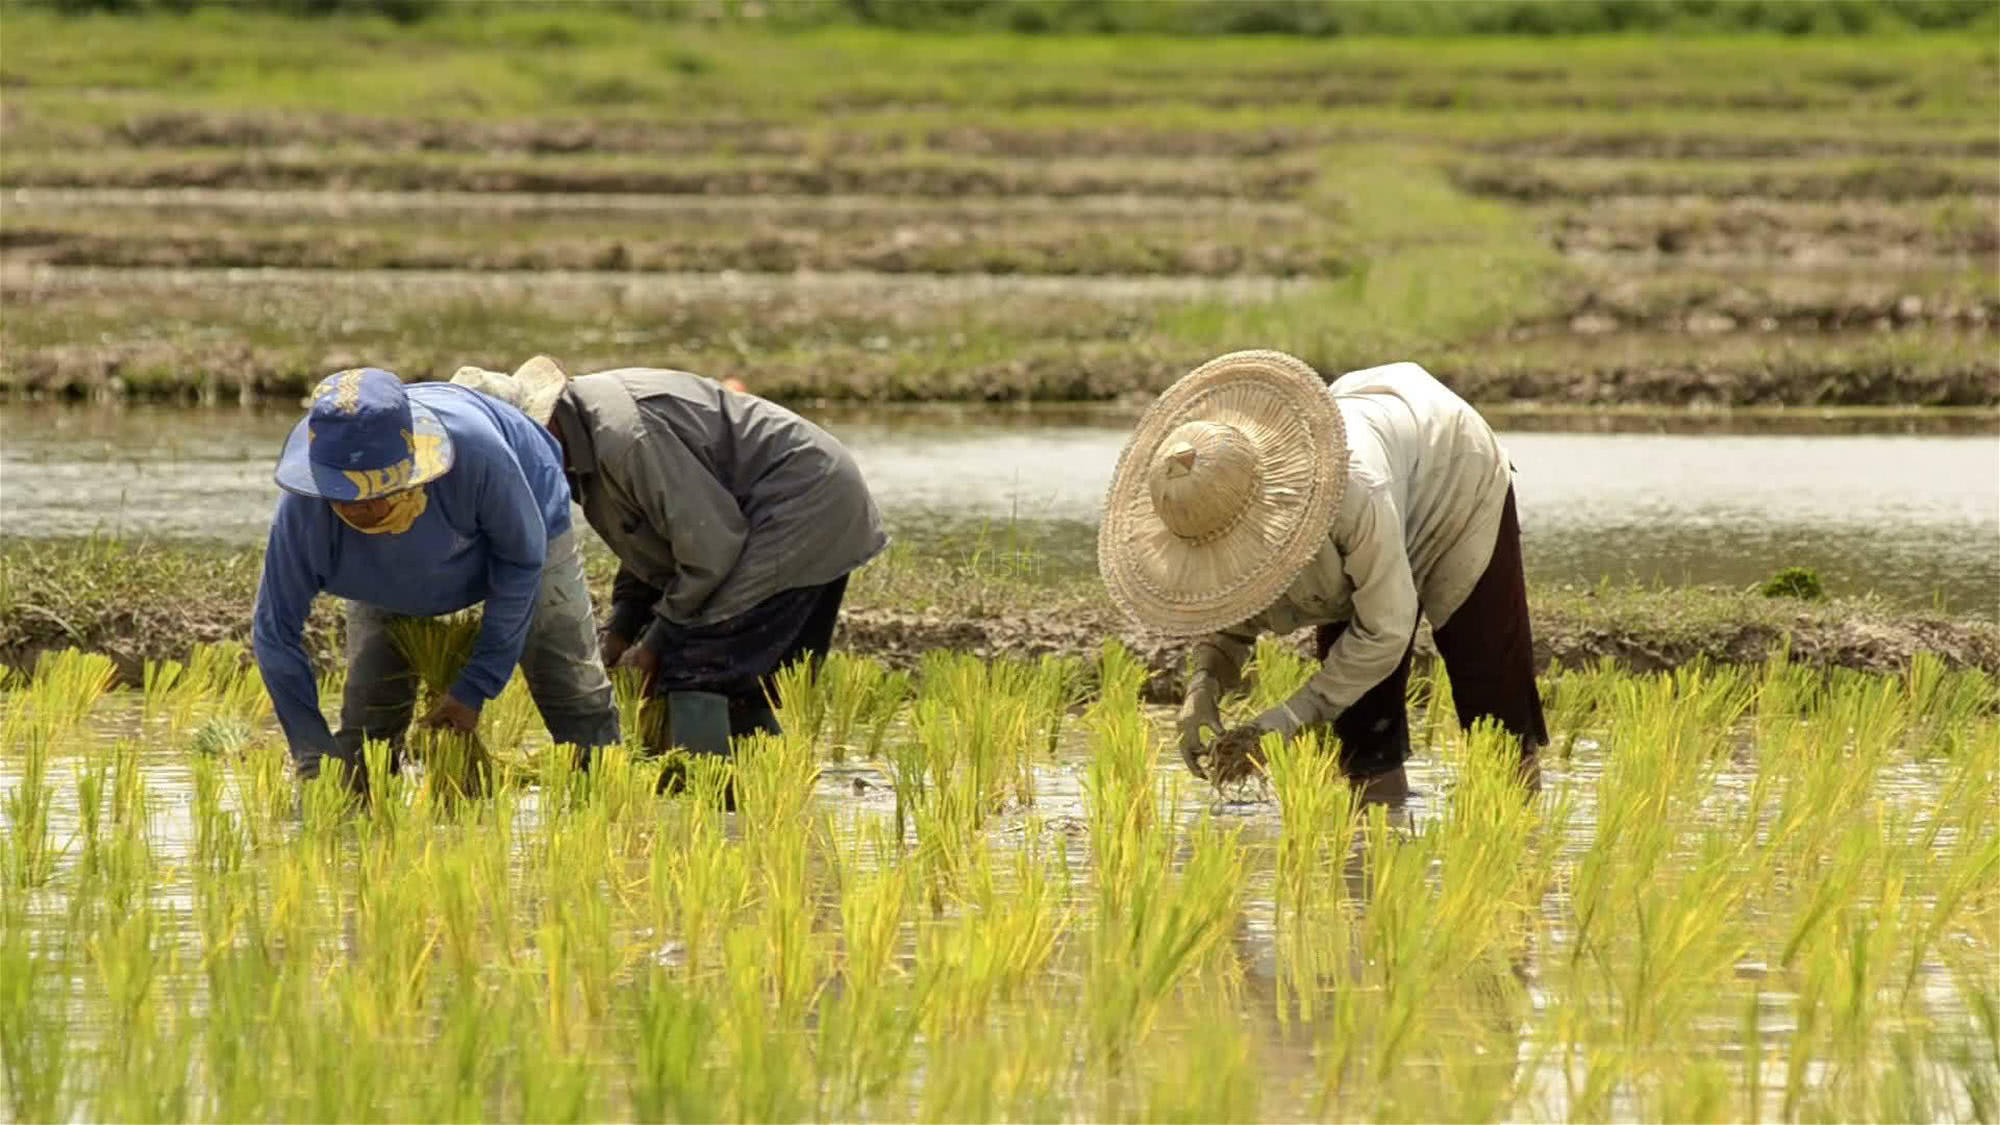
<point>978,892</point>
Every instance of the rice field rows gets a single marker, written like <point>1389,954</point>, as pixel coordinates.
<point>1466,203</point>
<point>977,891</point>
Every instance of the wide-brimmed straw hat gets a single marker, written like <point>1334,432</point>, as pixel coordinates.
<point>532,389</point>
<point>1226,491</point>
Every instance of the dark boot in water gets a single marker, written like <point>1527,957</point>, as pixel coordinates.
<point>697,723</point>
<point>1390,787</point>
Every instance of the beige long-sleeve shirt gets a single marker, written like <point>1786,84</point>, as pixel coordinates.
<point>1426,484</point>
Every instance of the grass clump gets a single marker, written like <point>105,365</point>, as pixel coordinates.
<point>1794,582</point>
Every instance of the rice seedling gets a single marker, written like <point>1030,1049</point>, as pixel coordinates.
<point>1755,893</point>
<point>863,698</point>
<point>437,649</point>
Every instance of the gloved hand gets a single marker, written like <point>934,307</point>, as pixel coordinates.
<point>1199,709</point>
<point>1302,710</point>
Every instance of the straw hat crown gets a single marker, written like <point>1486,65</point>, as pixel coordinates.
<point>1226,490</point>
<point>533,388</point>
<point>1203,480</point>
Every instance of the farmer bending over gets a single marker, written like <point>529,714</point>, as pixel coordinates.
<point>735,521</point>
<point>1252,498</point>
<point>424,502</point>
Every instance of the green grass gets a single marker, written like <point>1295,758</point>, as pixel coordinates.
<point>511,62</point>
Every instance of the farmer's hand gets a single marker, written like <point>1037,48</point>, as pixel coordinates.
<point>646,661</point>
<point>450,714</point>
<point>1199,710</point>
<point>1302,710</point>
<point>611,646</point>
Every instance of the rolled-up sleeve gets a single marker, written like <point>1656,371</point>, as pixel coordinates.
<point>1385,607</point>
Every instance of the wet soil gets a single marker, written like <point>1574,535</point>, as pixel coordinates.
<point>1641,630</point>
<point>921,176</point>
<point>1612,367</point>
<point>1655,145</point>
<point>200,129</point>
<point>1618,370</point>
<point>1745,230</point>
<point>778,242</point>
<point>1898,181</point>
<point>745,137</point>
<point>1711,302</point>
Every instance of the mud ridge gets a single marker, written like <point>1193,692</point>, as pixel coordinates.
<point>559,136</point>
<point>1895,182</point>
<point>941,179</point>
<point>1569,635</point>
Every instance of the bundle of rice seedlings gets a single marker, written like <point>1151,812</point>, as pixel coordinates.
<point>1236,756</point>
<point>438,649</point>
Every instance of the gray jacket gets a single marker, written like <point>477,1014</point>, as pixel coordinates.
<point>712,500</point>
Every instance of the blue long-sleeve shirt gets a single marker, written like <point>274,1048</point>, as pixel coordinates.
<point>483,537</point>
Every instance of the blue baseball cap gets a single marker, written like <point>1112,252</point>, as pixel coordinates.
<point>362,439</point>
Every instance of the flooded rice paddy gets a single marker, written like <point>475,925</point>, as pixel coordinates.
<point>989,891</point>
<point>1912,516</point>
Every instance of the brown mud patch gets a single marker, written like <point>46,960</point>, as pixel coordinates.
<point>1891,182</point>
<point>246,371</point>
<point>1745,369</point>
<point>931,178</point>
<point>1704,304</point>
<point>1700,229</point>
<point>1617,371</point>
<point>876,237</point>
<point>1568,635</point>
<point>569,136</point>
<point>1654,145</point>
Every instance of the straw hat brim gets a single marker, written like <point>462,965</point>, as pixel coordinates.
<point>532,389</point>
<point>1186,588</point>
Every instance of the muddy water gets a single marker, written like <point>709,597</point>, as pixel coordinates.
<point>1915,517</point>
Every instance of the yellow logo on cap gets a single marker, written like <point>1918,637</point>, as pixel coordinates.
<point>345,387</point>
<point>370,483</point>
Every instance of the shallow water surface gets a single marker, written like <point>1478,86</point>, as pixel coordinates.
<point>1915,517</point>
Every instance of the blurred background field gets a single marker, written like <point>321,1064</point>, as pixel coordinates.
<point>1670,203</point>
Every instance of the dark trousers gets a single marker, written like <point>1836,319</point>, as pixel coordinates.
<point>739,657</point>
<point>1489,653</point>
